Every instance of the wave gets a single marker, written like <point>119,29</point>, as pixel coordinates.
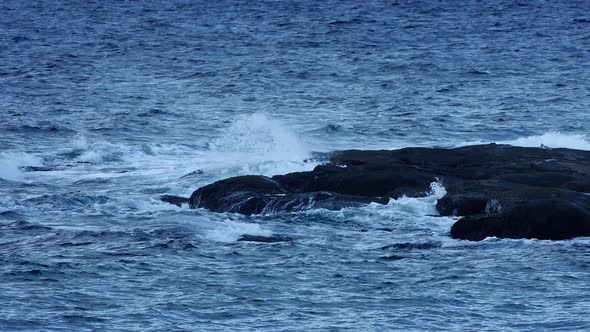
<point>12,162</point>
<point>552,139</point>
<point>68,200</point>
<point>101,151</point>
<point>253,144</point>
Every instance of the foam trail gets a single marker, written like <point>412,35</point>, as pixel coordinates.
<point>411,219</point>
<point>10,163</point>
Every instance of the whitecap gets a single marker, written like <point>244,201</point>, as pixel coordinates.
<point>554,140</point>
<point>551,139</point>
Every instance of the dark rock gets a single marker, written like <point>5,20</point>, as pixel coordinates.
<point>242,194</point>
<point>508,210</point>
<point>545,219</point>
<point>37,169</point>
<point>193,174</point>
<point>176,200</point>
<point>262,195</point>
<point>391,258</point>
<point>264,239</point>
<point>579,185</point>
<point>411,246</point>
<point>502,190</point>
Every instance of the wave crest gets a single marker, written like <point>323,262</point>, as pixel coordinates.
<point>553,139</point>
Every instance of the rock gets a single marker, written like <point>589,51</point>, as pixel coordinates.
<point>502,190</point>
<point>263,239</point>
<point>391,258</point>
<point>175,200</point>
<point>411,246</point>
<point>193,174</point>
<point>262,195</point>
<point>506,210</point>
<point>513,210</point>
<point>544,219</point>
<point>37,169</point>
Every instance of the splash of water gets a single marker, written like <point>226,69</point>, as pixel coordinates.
<point>259,144</point>
<point>11,162</point>
<point>261,135</point>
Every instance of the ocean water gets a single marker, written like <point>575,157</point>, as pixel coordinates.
<point>106,105</point>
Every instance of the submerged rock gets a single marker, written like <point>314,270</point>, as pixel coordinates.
<point>264,239</point>
<point>501,190</point>
<point>412,246</point>
<point>175,200</point>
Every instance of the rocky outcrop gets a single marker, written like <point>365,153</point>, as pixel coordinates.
<point>263,195</point>
<point>507,210</point>
<point>501,190</point>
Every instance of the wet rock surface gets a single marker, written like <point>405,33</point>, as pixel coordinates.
<point>501,190</point>
<point>174,200</point>
<point>263,195</point>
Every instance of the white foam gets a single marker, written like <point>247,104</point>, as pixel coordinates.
<point>97,152</point>
<point>230,231</point>
<point>409,207</point>
<point>551,140</point>
<point>420,206</point>
<point>10,163</point>
<point>258,144</point>
<point>554,140</point>
<point>411,218</point>
<point>254,144</point>
<point>259,134</point>
<point>80,142</point>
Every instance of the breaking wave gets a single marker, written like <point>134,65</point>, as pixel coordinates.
<point>551,140</point>
<point>259,144</point>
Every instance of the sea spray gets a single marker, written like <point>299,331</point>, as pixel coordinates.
<point>259,134</point>
<point>11,163</point>
<point>259,144</point>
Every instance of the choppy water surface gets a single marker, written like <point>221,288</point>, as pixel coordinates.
<point>105,105</point>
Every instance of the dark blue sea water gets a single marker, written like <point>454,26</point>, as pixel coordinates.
<point>106,105</point>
